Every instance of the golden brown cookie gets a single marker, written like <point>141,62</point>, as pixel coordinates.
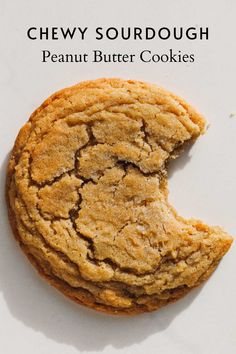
<point>87,195</point>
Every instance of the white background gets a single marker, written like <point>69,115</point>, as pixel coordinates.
<point>35,318</point>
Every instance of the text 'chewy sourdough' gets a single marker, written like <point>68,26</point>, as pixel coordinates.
<point>87,195</point>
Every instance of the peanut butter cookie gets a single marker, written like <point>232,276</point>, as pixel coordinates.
<point>88,198</point>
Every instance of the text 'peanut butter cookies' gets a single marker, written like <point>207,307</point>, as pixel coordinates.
<point>87,195</point>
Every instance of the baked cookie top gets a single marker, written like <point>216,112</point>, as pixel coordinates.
<point>87,194</point>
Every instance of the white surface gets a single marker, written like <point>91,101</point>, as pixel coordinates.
<point>34,318</point>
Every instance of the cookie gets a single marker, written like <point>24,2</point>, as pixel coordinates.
<point>88,197</point>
